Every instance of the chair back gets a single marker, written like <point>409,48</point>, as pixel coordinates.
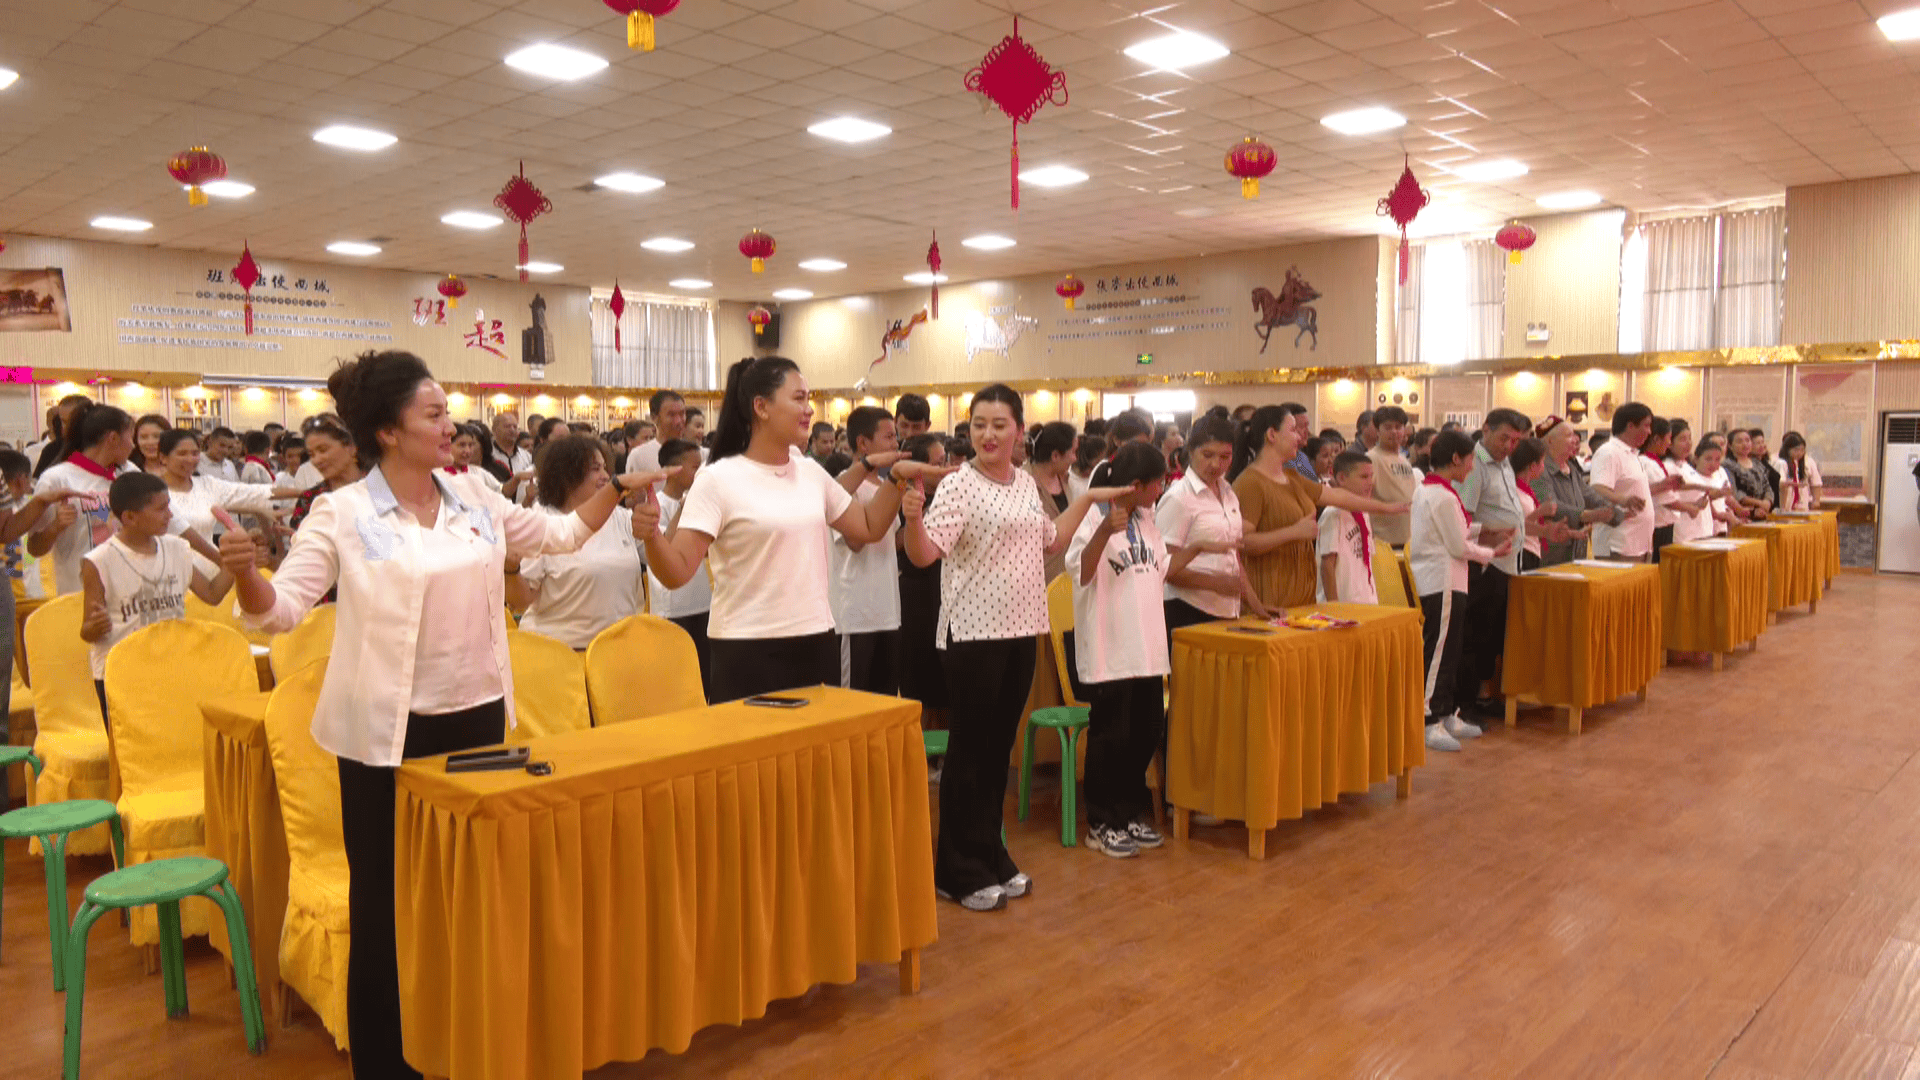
<point>222,613</point>
<point>157,679</point>
<point>64,699</point>
<point>1389,582</point>
<point>311,640</point>
<point>308,778</point>
<point>549,687</point>
<point>1059,625</point>
<point>642,666</point>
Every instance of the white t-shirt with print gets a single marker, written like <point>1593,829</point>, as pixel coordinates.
<point>1119,619</point>
<point>140,589</point>
<point>1616,466</point>
<point>1353,565</point>
<point>94,526</point>
<point>692,598</point>
<point>586,591</point>
<point>769,526</point>
<point>993,541</point>
<point>865,588</point>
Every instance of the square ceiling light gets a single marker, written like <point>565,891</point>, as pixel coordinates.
<point>792,294</point>
<point>849,129</point>
<point>1899,26</point>
<point>1569,200</point>
<point>924,278</point>
<point>349,137</point>
<point>667,244</point>
<point>353,247</point>
<point>552,61</point>
<point>1053,176</point>
<point>541,268</point>
<point>630,182</point>
<point>471,219</point>
<point>227,189</point>
<point>989,242</point>
<point>690,283</point>
<point>121,224</point>
<point>822,266</point>
<point>1177,51</point>
<point>1366,121</point>
<point>1484,172</point>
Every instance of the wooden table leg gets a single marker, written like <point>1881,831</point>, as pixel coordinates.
<point>910,971</point>
<point>1773,618</point>
<point>1182,822</point>
<point>1513,709</point>
<point>1719,661</point>
<point>1641,697</point>
<point>1754,645</point>
<point>1813,606</point>
<point>1573,719</point>
<point>1403,786</point>
<point>1256,843</point>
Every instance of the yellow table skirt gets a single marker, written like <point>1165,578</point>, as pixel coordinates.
<point>1829,522</point>
<point>244,828</point>
<point>1582,642</point>
<point>1267,726</point>
<point>1796,561</point>
<point>670,874</point>
<point>1713,599</point>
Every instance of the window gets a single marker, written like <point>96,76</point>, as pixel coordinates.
<point>1710,282</point>
<point>661,344</point>
<point>1462,287</point>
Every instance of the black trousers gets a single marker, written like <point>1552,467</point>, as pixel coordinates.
<point>987,685</point>
<point>871,661</point>
<point>1528,561</point>
<point>1662,536</point>
<point>366,824</point>
<point>1181,614</point>
<point>1123,732</point>
<point>100,688</point>
<point>1486,636</point>
<point>696,628</point>
<point>1443,634</point>
<point>743,667</point>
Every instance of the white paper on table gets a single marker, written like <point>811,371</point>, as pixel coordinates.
<point>1554,574</point>
<point>1605,564</point>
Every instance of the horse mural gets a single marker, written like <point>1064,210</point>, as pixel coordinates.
<point>986,334</point>
<point>1290,308</point>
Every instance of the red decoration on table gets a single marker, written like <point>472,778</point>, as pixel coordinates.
<point>522,202</point>
<point>759,247</point>
<point>452,288</point>
<point>640,15</point>
<point>1403,204</point>
<point>247,275</point>
<point>1014,77</point>
<point>196,167</point>
<point>617,304</point>
<point>759,317</point>
<point>1069,288</point>
<point>933,267</point>
<point>1515,238</point>
<point>1250,160</point>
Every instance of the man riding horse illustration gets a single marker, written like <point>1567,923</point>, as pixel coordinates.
<point>1290,308</point>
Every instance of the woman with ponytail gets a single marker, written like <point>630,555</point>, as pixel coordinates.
<point>94,448</point>
<point>757,509</point>
<point>60,434</point>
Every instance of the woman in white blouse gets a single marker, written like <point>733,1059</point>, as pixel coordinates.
<point>419,663</point>
<point>757,509</point>
<point>989,526</point>
<point>571,598</point>
<point>193,496</point>
<point>467,444</point>
<point>1799,476</point>
<point>1199,508</point>
<point>1703,473</point>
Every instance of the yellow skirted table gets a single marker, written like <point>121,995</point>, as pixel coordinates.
<point>668,875</point>
<point>1829,522</point>
<point>1713,596</point>
<point>244,828</point>
<point>1269,722</point>
<point>1796,562</point>
<point>1580,636</point>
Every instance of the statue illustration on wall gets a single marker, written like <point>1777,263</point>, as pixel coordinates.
<point>536,341</point>
<point>1290,308</point>
<point>985,333</point>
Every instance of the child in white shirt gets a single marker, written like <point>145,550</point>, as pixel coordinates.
<point>1442,540</point>
<point>1345,546</point>
<point>864,587</point>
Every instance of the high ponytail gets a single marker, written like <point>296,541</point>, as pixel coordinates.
<point>747,381</point>
<point>90,425</point>
<point>1253,436</point>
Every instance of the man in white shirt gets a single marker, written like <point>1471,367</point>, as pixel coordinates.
<point>669,423</point>
<point>1491,496</point>
<point>506,443</point>
<point>216,460</point>
<point>864,586</point>
<point>1393,478</point>
<point>1619,478</point>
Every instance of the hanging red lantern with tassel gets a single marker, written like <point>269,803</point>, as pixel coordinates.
<point>452,288</point>
<point>933,272</point>
<point>1069,289</point>
<point>522,202</point>
<point>640,15</point>
<point>1403,204</point>
<point>247,275</point>
<point>1515,238</point>
<point>759,247</point>
<point>1250,160</point>
<point>1013,76</point>
<point>759,317</point>
<point>617,304</point>
<point>194,168</point>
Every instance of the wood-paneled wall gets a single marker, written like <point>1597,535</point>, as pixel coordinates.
<point>1853,261</point>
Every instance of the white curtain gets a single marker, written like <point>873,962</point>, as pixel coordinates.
<point>1406,345</point>
<point>1443,303</point>
<point>1681,272</point>
<point>661,344</point>
<point>1462,286</point>
<point>1486,300</point>
<point>1753,270</point>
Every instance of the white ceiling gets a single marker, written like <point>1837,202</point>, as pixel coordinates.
<point>1652,103</point>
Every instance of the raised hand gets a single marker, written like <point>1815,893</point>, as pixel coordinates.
<point>915,471</point>
<point>1117,516</point>
<point>237,549</point>
<point>914,502</point>
<point>646,516</point>
<point>1108,494</point>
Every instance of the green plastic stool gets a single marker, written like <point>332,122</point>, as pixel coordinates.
<point>163,883</point>
<point>51,823</point>
<point>10,756</point>
<point>1067,721</point>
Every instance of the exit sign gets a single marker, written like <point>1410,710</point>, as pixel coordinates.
<point>1144,358</point>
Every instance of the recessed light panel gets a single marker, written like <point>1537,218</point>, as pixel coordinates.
<point>121,224</point>
<point>227,189</point>
<point>792,294</point>
<point>8,77</point>
<point>541,268</point>
<point>551,61</point>
<point>924,278</point>
<point>667,244</point>
<point>690,283</point>
<point>1899,26</point>
<point>1364,121</point>
<point>352,247</point>
<point>822,266</point>
<point>988,242</point>
<point>1053,176</point>
<point>348,137</point>
<point>1178,50</point>
<point>1482,172</point>
<point>1570,200</point>
<point>470,219</point>
<point>631,183</point>
<point>849,129</point>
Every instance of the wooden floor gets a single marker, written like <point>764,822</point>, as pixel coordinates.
<point>1722,882</point>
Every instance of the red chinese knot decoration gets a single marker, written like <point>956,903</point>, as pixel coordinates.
<point>1250,160</point>
<point>759,247</point>
<point>933,271</point>
<point>247,275</point>
<point>1014,77</point>
<point>759,317</point>
<point>1403,204</point>
<point>452,288</point>
<point>196,167</point>
<point>617,303</point>
<point>522,202</point>
<point>1069,289</point>
<point>640,15</point>
<point>1515,238</point>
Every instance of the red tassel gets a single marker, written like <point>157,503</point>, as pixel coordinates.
<point>1403,256</point>
<point>523,253</point>
<point>249,317</point>
<point>616,337</point>
<point>936,300</point>
<point>1016,167</point>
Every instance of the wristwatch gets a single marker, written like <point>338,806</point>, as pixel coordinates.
<point>618,487</point>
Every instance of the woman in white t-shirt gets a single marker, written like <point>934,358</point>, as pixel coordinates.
<point>989,525</point>
<point>1119,565</point>
<point>193,496</point>
<point>1721,510</point>
<point>572,597</point>
<point>1201,507</point>
<point>1799,476</point>
<point>757,510</point>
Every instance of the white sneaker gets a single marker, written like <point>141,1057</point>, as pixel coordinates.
<point>1460,729</point>
<point>991,898</point>
<point>1017,886</point>
<point>1438,739</point>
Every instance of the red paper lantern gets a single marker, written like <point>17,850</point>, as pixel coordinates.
<point>1515,238</point>
<point>1403,204</point>
<point>1013,76</point>
<point>1070,288</point>
<point>247,275</point>
<point>1250,160</point>
<point>640,15</point>
<point>617,304</point>
<point>522,202</point>
<point>452,288</point>
<point>759,247</point>
<point>933,268</point>
<point>196,167</point>
<point>759,317</point>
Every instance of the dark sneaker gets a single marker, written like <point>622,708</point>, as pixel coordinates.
<point>1145,835</point>
<point>1116,843</point>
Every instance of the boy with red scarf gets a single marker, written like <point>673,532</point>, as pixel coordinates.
<point>1345,546</point>
<point>1443,540</point>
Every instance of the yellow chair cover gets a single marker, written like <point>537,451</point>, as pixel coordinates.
<point>71,738</point>
<point>157,679</point>
<point>222,613</point>
<point>642,666</point>
<point>1388,585</point>
<point>549,687</point>
<point>311,640</point>
<point>314,941</point>
<point>1059,621</point>
<point>1051,665</point>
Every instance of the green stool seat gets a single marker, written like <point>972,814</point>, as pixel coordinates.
<point>163,883</point>
<point>1067,721</point>
<point>936,742</point>
<point>11,755</point>
<point>51,823</point>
